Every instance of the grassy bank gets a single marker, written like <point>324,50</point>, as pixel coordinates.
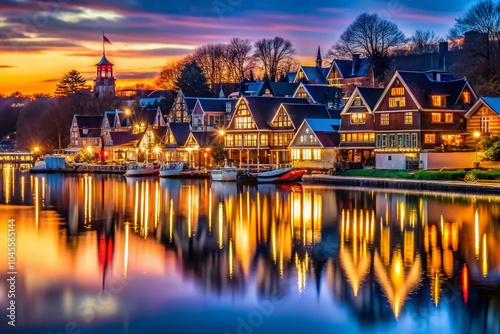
<point>444,175</point>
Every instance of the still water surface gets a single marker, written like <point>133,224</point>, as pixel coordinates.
<point>106,254</point>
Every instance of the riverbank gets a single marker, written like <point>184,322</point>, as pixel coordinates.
<point>484,186</point>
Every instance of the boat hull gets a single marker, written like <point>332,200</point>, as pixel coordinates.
<point>224,174</point>
<point>172,170</point>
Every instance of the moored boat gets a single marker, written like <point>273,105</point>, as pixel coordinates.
<point>273,175</point>
<point>136,169</point>
<point>223,174</point>
<point>173,169</point>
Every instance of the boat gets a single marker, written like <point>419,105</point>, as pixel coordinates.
<point>225,173</point>
<point>136,169</point>
<point>173,169</point>
<point>272,174</point>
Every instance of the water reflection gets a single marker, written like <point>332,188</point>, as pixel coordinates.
<point>386,260</point>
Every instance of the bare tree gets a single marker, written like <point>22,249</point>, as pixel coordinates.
<point>240,62</point>
<point>273,55</point>
<point>211,58</point>
<point>423,42</point>
<point>169,75</point>
<point>372,37</point>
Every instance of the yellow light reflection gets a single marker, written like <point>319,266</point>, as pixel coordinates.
<point>125,257</point>
<point>485,256</point>
<point>476,234</point>
<point>221,225</point>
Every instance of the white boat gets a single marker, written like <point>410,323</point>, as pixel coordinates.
<point>225,173</point>
<point>173,169</point>
<point>39,167</point>
<point>136,169</point>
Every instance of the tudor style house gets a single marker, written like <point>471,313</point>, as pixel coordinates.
<point>262,127</point>
<point>315,143</point>
<point>321,94</point>
<point>211,114</point>
<point>420,111</point>
<point>357,129</point>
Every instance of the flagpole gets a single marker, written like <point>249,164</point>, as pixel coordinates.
<point>103,45</point>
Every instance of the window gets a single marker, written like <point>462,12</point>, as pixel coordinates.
<point>316,154</point>
<point>395,102</point>
<point>448,117</point>
<point>282,120</point>
<point>250,140</point>
<point>295,154</point>
<point>264,139</point>
<point>436,117</point>
<point>284,139</point>
<point>244,122</point>
<point>229,140</point>
<point>466,97</point>
<point>358,101</point>
<point>408,118</point>
<point>413,143</point>
<point>342,137</point>
<point>392,141</point>
<point>397,91</point>
<point>228,106</point>
<point>238,141</point>
<point>438,100</point>
<point>301,93</point>
<point>306,154</point>
<point>485,124</point>
<point>384,119</point>
<point>430,138</point>
<point>358,118</point>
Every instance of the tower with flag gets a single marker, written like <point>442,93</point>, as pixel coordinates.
<point>104,83</point>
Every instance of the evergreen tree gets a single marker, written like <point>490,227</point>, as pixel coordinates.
<point>193,82</point>
<point>70,83</point>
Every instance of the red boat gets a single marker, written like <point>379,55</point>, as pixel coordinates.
<point>292,176</point>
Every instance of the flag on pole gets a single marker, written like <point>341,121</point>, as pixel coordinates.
<point>105,39</point>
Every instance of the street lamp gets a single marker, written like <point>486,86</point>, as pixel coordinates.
<point>476,135</point>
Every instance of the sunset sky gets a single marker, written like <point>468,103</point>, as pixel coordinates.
<point>42,40</point>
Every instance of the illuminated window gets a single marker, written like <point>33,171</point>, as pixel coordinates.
<point>466,97</point>
<point>284,139</point>
<point>436,117</point>
<point>244,122</point>
<point>358,118</point>
<point>250,140</point>
<point>408,118</point>
<point>295,154</point>
<point>438,100</point>
<point>384,119</point>
<point>372,137</point>
<point>358,101</point>
<point>448,117</point>
<point>316,154</point>
<point>301,93</point>
<point>354,137</point>
<point>395,102</point>
<point>349,137</point>
<point>282,120</point>
<point>229,140</point>
<point>306,154</point>
<point>430,138</point>
<point>485,124</point>
<point>242,110</point>
<point>342,137</point>
<point>238,140</point>
<point>264,139</point>
<point>397,91</point>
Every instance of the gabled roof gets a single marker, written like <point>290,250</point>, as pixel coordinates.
<point>369,95</point>
<point>291,76</point>
<point>421,88</point>
<point>204,138</point>
<point>159,132</point>
<point>324,93</point>
<point>326,130</point>
<point>263,109</point>
<point>491,102</point>
<point>190,103</point>
<point>126,138</point>
<point>298,112</point>
<point>216,104</point>
<point>181,132</point>
<point>283,89</point>
<point>111,116</point>
<point>344,67</point>
<point>146,115</point>
<point>89,121</point>
<point>314,75</point>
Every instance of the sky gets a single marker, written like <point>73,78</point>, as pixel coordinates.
<point>40,41</point>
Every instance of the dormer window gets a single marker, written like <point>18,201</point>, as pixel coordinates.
<point>397,91</point>
<point>466,97</point>
<point>438,100</point>
<point>228,106</point>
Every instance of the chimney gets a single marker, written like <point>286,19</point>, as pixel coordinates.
<point>355,63</point>
<point>443,52</point>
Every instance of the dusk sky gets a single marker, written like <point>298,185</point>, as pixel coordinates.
<point>40,41</point>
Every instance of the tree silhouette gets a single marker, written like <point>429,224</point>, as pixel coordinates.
<point>193,82</point>
<point>70,83</point>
